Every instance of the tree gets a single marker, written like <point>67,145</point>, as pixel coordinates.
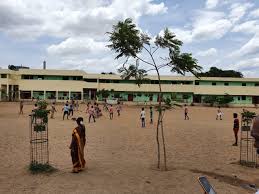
<point>102,93</point>
<point>128,42</point>
<point>219,100</point>
<point>215,72</point>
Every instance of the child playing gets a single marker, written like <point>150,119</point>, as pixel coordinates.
<point>186,112</point>
<point>118,108</point>
<point>151,115</point>
<point>91,114</point>
<point>236,128</point>
<point>111,112</point>
<point>53,110</point>
<point>21,107</point>
<point>142,117</point>
<point>66,111</point>
<point>71,109</point>
<point>219,114</point>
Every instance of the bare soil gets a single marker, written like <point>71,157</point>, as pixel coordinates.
<point>121,156</point>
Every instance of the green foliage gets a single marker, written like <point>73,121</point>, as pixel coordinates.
<point>36,168</point>
<point>218,100</point>
<point>103,93</point>
<point>225,100</point>
<point>182,63</point>
<point>39,128</point>
<point>42,104</point>
<point>41,112</point>
<point>125,39</point>
<point>247,115</point>
<point>215,72</point>
<point>210,100</point>
<point>135,72</point>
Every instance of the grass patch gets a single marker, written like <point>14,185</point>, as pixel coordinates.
<point>41,168</point>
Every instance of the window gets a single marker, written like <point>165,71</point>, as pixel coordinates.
<point>65,77</point>
<point>91,80</point>
<point>214,83</point>
<point>3,75</point>
<point>243,97</point>
<point>256,84</point>
<point>226,84</point>
<point>243,84</point>
<point>154,81</point>
<point>197,83</point>
<point>238,98</point>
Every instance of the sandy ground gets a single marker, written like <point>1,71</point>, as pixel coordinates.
<point>121,156</point>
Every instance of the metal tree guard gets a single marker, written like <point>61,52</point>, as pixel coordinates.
<point>39,151</point>
<point>248,155</point>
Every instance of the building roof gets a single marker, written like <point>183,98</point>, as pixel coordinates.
<point>115,76</point>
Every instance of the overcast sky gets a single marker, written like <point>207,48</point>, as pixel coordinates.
<point>70,34</point>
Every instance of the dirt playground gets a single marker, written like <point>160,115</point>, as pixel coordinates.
<point>121,156</point>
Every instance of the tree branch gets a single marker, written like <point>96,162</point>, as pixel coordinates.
<point>145,61</point>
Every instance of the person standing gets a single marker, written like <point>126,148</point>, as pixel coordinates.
<point>236,128</point>
<point>219,114</point>
<point>255,133</point>
<point>91,114</point>
<point>53,110</point>
<point>143,117</point>
<point>66,111</point>
<point>111,112</point>
<point>77,146</point>
<point>21,107</point>
<point>118,108</point>
<point>77,105</point>
<point>186,112</point>
<point>71,109</point>
<point>151,115</point>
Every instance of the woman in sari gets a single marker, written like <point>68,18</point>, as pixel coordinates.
<point>77,146</point>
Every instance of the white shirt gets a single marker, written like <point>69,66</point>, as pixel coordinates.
<point>142,114</point>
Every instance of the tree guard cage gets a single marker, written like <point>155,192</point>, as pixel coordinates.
<point>248,155</point>
<point>39,151</point>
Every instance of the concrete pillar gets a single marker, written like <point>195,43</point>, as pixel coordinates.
<point>56,96</point>
<point>90,94</point>
<point>31,94</point>
<point>98,85</point>
<point>44,95</point>
<point>69,95</point>
<point>82,96</point>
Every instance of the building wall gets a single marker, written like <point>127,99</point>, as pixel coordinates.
<point>178,88</point>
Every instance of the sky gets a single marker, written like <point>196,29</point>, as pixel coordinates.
<point>71,34</point>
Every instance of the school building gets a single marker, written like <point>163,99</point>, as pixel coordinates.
<point>62,85</point>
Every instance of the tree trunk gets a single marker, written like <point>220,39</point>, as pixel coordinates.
<point>157,141</point>
<point>160,124</point>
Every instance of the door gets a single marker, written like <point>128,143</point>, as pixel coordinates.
<point>130,97</point>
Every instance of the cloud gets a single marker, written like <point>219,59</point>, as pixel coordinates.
<point>254,13</point>
<point>249,67</point>
<point>76,46</point>
<point>93,65</point>
<point>66,18</point>
<point>250,48</point>
<point>210,4</point>
<point>207,25</point>
<point>238,10</point>
<point>248,27</point>
<point>208,53</point>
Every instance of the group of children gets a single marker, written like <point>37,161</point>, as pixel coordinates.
<point>94,111</point>
<point>68,109</point>
<point>143,116</point>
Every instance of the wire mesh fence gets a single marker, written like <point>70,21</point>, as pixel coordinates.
<point>39,151</point>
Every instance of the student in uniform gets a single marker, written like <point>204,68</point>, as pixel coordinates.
<point>143,117</point>
<point>65,110</point>
<point>236,128</point>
